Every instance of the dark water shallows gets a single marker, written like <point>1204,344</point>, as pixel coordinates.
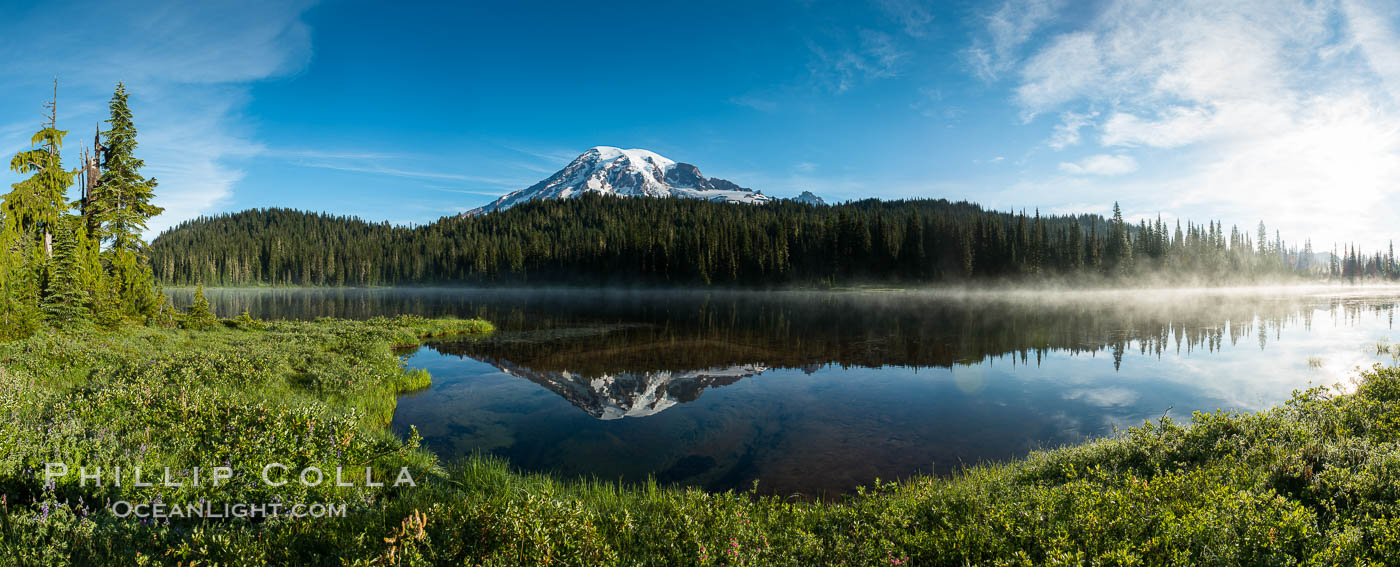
<point>822,392</point>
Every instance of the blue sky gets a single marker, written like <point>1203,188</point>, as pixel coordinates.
<point>1280,110</point>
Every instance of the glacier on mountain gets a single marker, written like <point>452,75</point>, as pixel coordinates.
<point>630,173</point>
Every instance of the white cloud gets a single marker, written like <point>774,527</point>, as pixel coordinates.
<point>1010,27</point>
<point>356,155</point>
<point>191,150</point>
<point>881,57</point>
<point>755,102</point>
<point>1174,127</point>
<point>877,57</point>
<point>913,15</point>
<point>187,68</point>
<point>1285,110</point>
<point>1066,133</point>
<point>1101,164</point>
<point>1066,69</point>
<point>464,192</point>
<point>374,167</point>
<point>1377,41</point>
<point>552,159</point>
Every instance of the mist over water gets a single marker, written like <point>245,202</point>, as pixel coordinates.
<point>819,392</point>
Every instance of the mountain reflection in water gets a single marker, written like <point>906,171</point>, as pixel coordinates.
<point>629,394</point>
<point>822,392</point>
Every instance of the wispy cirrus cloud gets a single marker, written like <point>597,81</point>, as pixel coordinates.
<point>874,55</point>
<point>187,66</point>
<point>1066,133</point>
<point>845,54</point>
<point>1006,30</point>
<point>548,157</point>
<point>463,191</point>
<point>913,16</point>
<point>368,166</point>
<point>755,102</point>
<point>356,155</point>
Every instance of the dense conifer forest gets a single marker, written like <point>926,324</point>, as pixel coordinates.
<point>611,240</point>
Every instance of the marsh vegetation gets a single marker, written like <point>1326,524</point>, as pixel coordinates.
<point>1307,482</point>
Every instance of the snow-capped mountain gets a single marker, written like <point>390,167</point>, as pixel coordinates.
<point>631,173</point>
<point>630,394</point>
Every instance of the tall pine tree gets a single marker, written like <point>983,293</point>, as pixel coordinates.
<point>120,205</point>
<point>37,204</point>
<point>65,295</point>
<point>1118,251</point>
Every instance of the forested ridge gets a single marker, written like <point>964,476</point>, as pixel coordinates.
<point>650,241</point>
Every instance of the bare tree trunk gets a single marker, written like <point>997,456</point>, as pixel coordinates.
<point>48,243</point>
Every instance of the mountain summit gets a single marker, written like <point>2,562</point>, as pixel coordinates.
<point>631,173</point>
<point>809,198</point>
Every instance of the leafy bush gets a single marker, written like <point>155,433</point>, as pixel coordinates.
<point>199,316</point>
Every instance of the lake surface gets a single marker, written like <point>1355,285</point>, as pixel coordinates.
<point>813,392</point>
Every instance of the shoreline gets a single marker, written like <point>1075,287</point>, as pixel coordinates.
<point>1150,493</point>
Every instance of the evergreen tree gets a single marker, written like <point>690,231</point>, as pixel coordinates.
<point>968,256</point>
<point>121,201</point>
<point>65,299</point>
<point>1095,251</point>
<point>38,203</point>
<point>20,315</point>
<point>55,266</point>
<point>120,206</point>
<point>1118,253</point>
<point>1390,262</point>
<point>200,315</point>
<point>51,265</point>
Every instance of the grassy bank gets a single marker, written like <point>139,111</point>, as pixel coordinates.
<point>1316,481</point>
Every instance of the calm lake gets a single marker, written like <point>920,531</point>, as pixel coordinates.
<point>815,392</point>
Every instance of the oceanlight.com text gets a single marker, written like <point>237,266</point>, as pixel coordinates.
<point>211,511</point>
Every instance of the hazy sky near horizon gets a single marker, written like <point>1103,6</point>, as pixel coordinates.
<point>1285,111</point>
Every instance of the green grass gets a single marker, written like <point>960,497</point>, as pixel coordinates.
<point>1315,481</point>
